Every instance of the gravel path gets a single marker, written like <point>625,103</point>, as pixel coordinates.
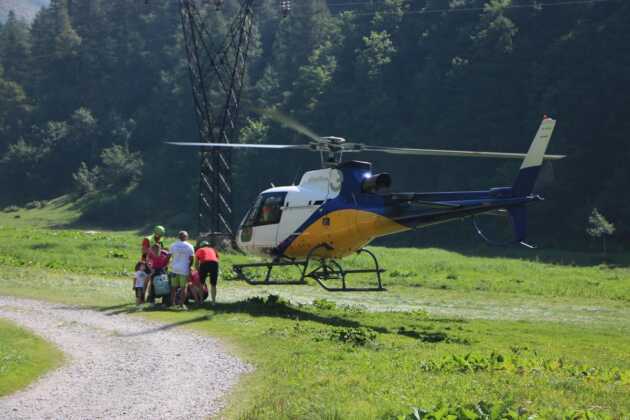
<point>119,366</point>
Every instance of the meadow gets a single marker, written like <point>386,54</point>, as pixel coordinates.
<point>23,357</point>
<point>502,336</point>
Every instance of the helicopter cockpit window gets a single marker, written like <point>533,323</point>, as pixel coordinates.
<point>267,210</point>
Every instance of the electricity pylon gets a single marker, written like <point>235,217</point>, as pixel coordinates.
<point>217,63</point>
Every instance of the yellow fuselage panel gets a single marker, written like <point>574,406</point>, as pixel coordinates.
<point>346,231</point>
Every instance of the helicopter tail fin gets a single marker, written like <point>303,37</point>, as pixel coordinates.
<point>530,168</point>
<point>518,219</point>
<point>518,216</point>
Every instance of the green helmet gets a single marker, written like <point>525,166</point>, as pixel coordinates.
<point>159,230</point>
<point>202,244</point>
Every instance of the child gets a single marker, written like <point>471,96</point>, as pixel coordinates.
<point>193,288</point>
<point>139,282</point>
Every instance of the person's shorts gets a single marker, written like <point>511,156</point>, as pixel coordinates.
<point>179,280</point>
<point>211,268</point>
<point>139,292</point>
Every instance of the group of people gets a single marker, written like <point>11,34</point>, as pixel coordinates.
<point>189,268</point>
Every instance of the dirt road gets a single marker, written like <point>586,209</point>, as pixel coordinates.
<point>119,366</point>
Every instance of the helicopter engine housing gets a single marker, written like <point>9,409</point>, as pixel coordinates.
<point>376,183</point>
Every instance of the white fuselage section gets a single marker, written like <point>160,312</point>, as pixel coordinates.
<point>280,211</point>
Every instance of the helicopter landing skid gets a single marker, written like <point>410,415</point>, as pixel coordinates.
<point>329,269</point>
<point>240,273</point>
<point>325,270</point>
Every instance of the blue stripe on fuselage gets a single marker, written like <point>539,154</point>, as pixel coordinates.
<point>459,210</point>
<point>463,203</point>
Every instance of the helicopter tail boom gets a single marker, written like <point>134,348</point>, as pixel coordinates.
<point>508,201</point>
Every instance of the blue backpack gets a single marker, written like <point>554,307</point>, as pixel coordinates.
<point>161,286</point>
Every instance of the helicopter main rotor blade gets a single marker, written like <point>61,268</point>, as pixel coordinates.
<point>449,153</point>
<point>243,145</point>
<point>288,122</point>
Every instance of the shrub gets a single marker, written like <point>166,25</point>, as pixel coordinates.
<point>481,410</point>
<point>324,304</point>
<point>122,168</point>
<point>34,205</point>
<point>360,336</point>
<point>518,363</point>
<point>497,410</point>
<point>11,209</point>
<point>86,180</point>
<point>402,273</point>
<point>116,254</point>
<point>425,336</point>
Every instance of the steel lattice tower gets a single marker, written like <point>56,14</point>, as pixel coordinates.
<point>217,66</point>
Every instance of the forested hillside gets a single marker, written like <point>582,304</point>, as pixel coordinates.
<point>25,9</point>
<point>91,89</point>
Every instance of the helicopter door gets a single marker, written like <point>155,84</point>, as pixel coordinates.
<point>266,220</point>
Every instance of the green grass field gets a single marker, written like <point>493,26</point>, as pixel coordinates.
<point>23,357</point>
<point>513,335</point>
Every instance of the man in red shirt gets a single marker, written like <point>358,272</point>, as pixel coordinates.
<point>208,263</point>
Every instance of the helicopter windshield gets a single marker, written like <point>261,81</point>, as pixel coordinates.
<point>267,210</point>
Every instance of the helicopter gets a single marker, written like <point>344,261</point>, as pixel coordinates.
<point>336,211</point>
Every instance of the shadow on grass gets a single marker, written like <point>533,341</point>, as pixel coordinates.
<point>256,307</point>
<point>112,308</point>
<point>170,326</point>
<point>273,306</point>
<point>43,246</point>
<point>427,336</point>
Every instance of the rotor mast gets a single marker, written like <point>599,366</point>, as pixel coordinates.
<point>217,64</point>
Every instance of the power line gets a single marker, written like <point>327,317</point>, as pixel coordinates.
<point>536,5</point>
<point>533,4</point>
<point>377,3</point>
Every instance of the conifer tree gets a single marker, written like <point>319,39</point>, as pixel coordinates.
<point>599,227</point>
<point>15,49</point>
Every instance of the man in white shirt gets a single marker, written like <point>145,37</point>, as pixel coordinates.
<point>183,255</point>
